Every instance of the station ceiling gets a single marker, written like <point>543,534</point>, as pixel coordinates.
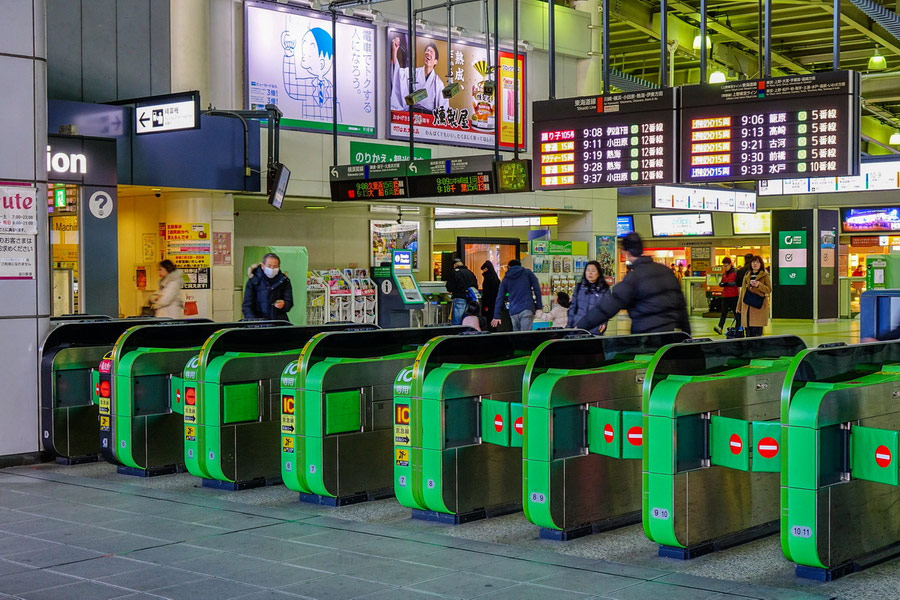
<point>801,42</point>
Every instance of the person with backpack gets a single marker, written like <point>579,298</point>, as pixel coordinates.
<point>587,295</point>
<point>458,285</point>
<point>524,300</point>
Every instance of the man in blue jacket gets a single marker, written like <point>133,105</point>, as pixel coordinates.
<point>268,294</point>
<point>524,291</point>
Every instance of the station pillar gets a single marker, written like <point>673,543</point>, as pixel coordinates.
<point>804,264</point>
<point>24,264</point>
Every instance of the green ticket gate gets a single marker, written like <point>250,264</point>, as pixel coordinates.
<point>463,405</point>
<point>839,486</point>
<point>711,414</point>
<point>141,394</point>
<point>337,417</point>
<point>583,432</point>
<point>70,385</point>
<point>232,393</point>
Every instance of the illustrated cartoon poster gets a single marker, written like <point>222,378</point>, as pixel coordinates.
<point>289,63</point>
<point>469,117</point>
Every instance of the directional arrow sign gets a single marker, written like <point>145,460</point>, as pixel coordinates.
<point>172,112</point>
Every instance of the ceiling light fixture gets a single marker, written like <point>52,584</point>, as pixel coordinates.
<point>895,138</point>
<point>717,76</point>
<point>877,62</point>
<point>699,40</point>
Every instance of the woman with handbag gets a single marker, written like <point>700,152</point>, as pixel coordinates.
<point>754,299</point>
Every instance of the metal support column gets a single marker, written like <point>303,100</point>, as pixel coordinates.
<point>663,43</point>
<point>836,35</point>
<point>606,47</point>
<point>767,25</point>
<point>551,50</point>
<point>703,48</point>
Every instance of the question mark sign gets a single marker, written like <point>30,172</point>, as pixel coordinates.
<point>98,204</point>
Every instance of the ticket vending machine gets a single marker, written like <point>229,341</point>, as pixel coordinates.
<point>398,293</point>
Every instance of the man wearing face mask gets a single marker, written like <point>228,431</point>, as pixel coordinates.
<point>268,294</point>
<point>649,292</point>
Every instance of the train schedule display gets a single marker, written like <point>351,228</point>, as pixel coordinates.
<point>779,128</point>
<point>605,141</point>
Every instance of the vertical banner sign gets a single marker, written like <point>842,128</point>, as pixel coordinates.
<point>792,258</point>
<point>468,118</point>
<point>605,246</point>
<point>827,256</point>
<point>289,53</point>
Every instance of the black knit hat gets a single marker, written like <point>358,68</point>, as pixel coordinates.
<point>632,244</point>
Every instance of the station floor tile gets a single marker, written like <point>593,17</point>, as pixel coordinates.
<point>263,544</point>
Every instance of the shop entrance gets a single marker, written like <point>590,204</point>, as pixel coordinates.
<point>62,205</point>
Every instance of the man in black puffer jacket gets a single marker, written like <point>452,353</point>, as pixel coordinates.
<point>649,292</point>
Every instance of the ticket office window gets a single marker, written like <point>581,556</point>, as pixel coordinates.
<point>62,208</point>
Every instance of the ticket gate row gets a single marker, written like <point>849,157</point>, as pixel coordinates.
<point>337,412</point>
<point>232,429</point>
<point>70,355</point>
<point>583,433</point>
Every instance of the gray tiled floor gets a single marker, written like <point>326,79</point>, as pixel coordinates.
<point>84,532</point>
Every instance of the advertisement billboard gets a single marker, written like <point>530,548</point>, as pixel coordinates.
<point>289,53</point>
<point>870,220</point>
<point>469,117</point>
<point>688,224</point>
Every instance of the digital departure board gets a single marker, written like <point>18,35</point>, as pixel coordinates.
<point>463,176</point>
<point>605,141</point>
<point>381,181</point>
<point>785,127</point>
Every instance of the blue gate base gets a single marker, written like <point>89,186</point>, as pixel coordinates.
<point>348,499</point>
<point>236,486</point>
<point>574,533</point>
<point>459,519</point>
<point>727,541</point>
<point>852,566</point>
<point>154,472</point>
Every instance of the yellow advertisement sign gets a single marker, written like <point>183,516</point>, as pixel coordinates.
<point>189,245</point>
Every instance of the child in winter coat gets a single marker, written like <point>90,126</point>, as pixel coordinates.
<point>559,314</point>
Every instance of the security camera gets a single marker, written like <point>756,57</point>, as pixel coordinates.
<point>488,87</point>
<point>451,90</point>
<point>158,195</point>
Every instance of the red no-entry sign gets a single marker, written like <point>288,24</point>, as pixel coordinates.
<point>636,436</point>
<point>883,456</point>
<point>768,447</point>
<point>498,423</point>
<point>736,443</point>
<point>519,426</point>
<point>608,433</point>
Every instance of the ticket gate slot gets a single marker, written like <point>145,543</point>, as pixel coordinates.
<point>711,415</point>
<point>584,433</point>
<point>464,460</point>
<point>839,485</point>
<point>144,433</point>
<point>237,398</point>
<point>337,412</point>
<point>69,383</point>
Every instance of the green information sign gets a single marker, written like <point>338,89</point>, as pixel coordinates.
<point>558,247</point>
<point>792,250</point>
<point>365,153</point>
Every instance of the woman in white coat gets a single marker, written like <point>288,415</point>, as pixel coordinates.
<point>168,302</point>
